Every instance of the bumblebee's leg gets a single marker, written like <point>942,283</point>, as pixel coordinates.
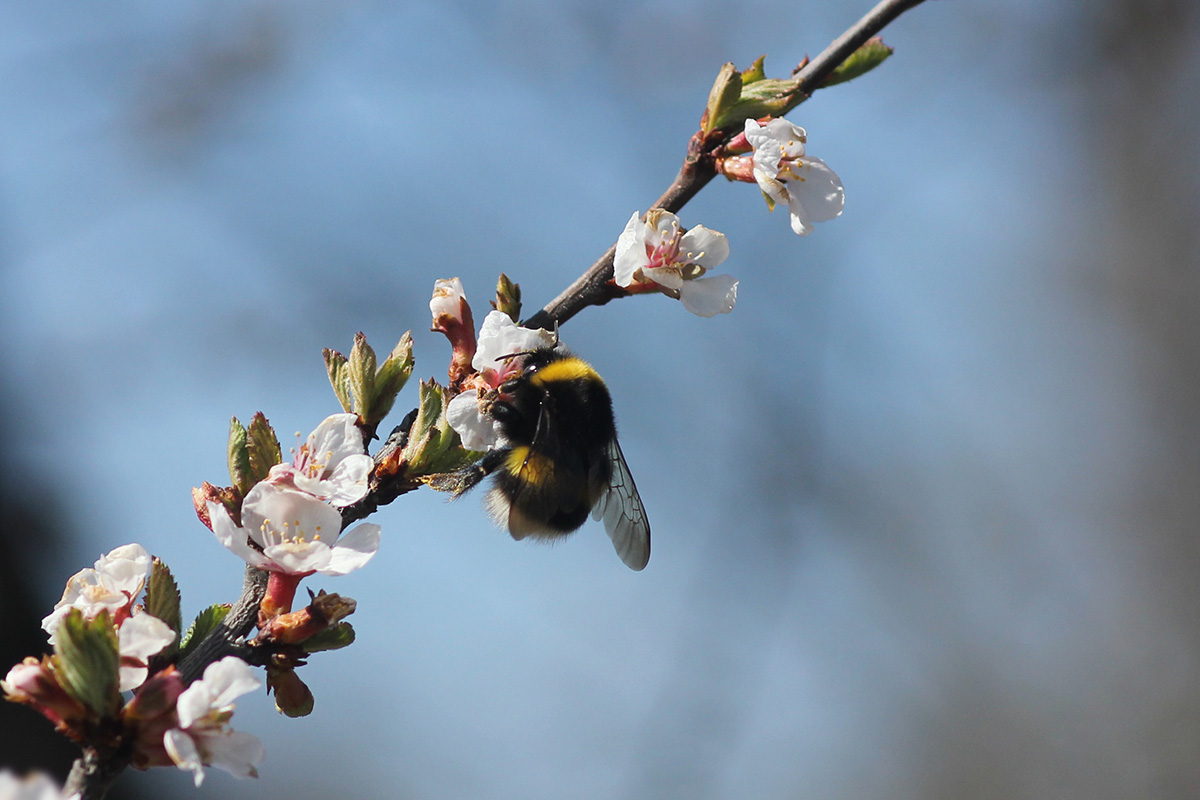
<point>468,477</point>
<point>537,432</point>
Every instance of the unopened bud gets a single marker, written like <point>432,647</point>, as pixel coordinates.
<point>33,683</point>
<point>226,496</point>
<point>293,698</point>
<point>452,316</point>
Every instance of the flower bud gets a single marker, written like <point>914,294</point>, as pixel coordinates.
<point>294,627</point>
<point>293,698</point>
<point>33,683</point>
<point>150,714</point>
<point>452,316</point>
<point>508,298</point>
<point>226,496</point>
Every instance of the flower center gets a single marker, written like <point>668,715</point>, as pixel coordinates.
<point>665,254</point>
<point>305,462</point>
<point>291,533</point>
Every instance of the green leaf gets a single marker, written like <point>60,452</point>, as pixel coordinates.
<point>429,408</point>
<point>263,447</point>
<point>339,377</point>
<point>766,97</point>
<point>361,374</point>
<point>391,377</point>
<point>239,457</point>
<point>433,446</point>
<point>204,624</point>
<point>162,601</point>
<point>335,637</point>
<point>726,90</point>
<point>866,58</point>
<point>88,661</point>
<point>755,73</point>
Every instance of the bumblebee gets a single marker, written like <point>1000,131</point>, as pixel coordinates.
<point>560,458</point>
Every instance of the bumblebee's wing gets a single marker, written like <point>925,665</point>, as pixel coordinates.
<point>624,516</point>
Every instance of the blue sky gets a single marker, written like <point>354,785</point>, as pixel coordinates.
<point>894,494</point>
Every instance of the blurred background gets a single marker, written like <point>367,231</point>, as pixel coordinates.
<point>924,506</point>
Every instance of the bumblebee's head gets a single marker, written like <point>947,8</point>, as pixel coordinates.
<point>517,401</point>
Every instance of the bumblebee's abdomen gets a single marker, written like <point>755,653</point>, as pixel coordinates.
<point>536,494</point>
<point>533,468</point>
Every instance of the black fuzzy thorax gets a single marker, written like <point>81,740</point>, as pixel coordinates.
<point>561,410</point>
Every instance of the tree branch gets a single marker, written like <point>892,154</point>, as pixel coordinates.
<point>595,287</point>
<point>227,637</point>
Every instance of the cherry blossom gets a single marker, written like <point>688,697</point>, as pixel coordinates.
<point>203,737</point>
<point>290,531</point>
<point>658,251</point>
<point>812,191</point>
<point>111,585</point>
<point>331,465</point>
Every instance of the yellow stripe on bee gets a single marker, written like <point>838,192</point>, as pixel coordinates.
<point>565,369</point>
<point>533,468</point>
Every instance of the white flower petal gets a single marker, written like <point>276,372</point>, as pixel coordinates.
<point>802,224</point>
<point>298,558</point>
<point>144,635</point>
<point>337,437</point>
<point>112,585</point>
<point>477,431</point>
<point>183,752</point>
<point>350,480</point>
<point>767,151</point>
<point>345,485</point>
<point>331,465</point>
<point>499,336</point>
<point>233,537</point>
<point>272,513</point>
<point>203,709</point>
<point>354,549</point>
<point>669,278</point>
<point>229,678</point>
<point>36,786</point>
<point>235,752</point>
<point>131,677</point>
<point>631,251</point>
<point>709,296</point>
<point>193,704</point>
<point>773,191</point>
<point>51,621</point>
<point>447,298</point>
<point>778,133</point>
<point>125,568</point>
<point>816,188</point>
<point>662,226</point>
<point>704,246</point>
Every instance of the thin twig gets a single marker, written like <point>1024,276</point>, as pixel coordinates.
<point>227,638</point>
<point>594,287</point>
<point>93,773</point>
